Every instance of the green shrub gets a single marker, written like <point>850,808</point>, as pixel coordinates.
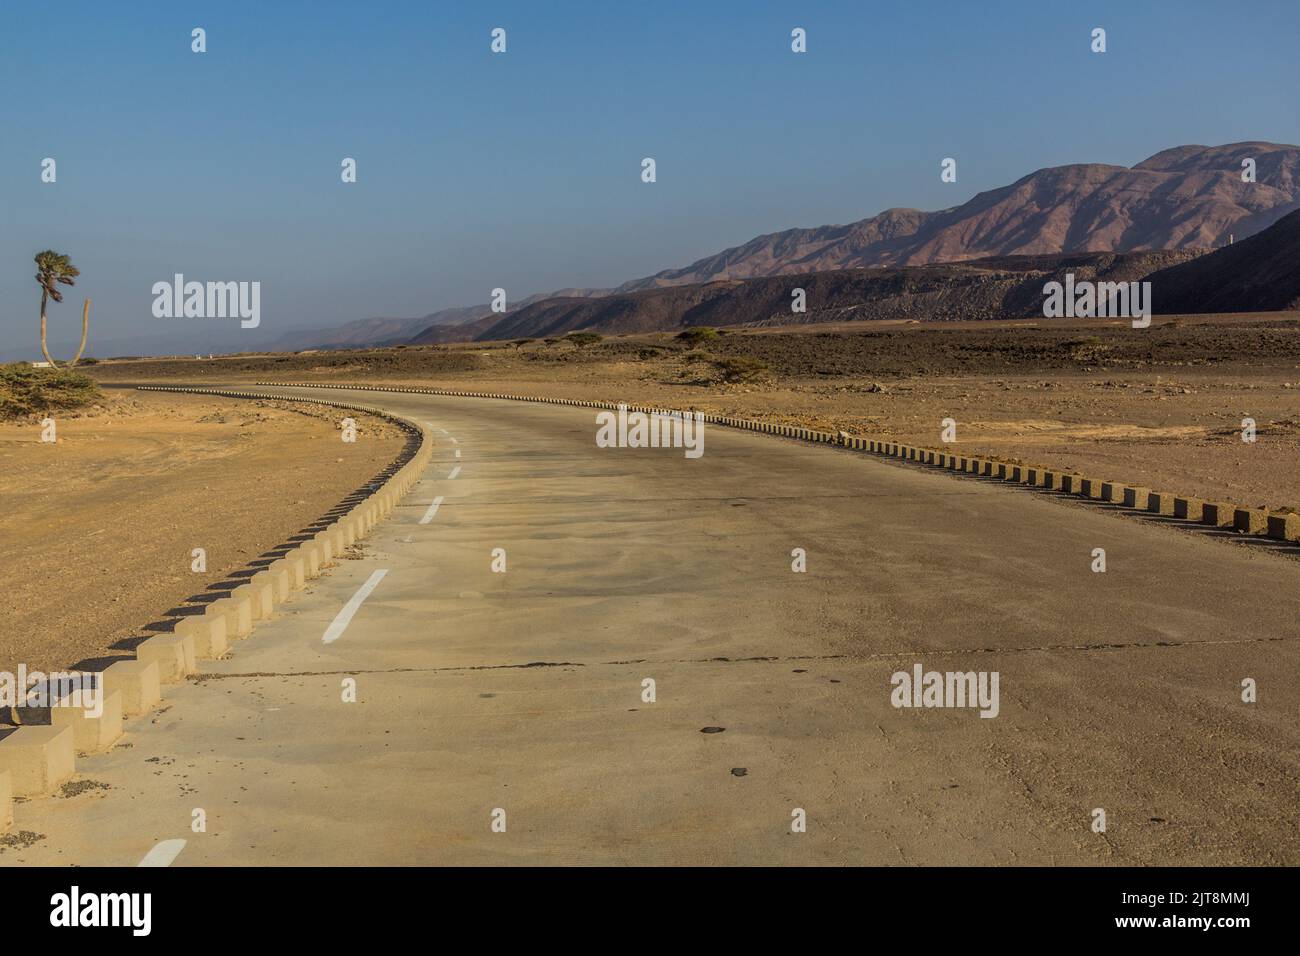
<point>697,333</point>
<point>28,391</point>
<point>583,339</point>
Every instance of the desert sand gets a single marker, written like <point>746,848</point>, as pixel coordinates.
<point>99,527</point>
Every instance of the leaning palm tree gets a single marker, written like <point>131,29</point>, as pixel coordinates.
<point>54,269</point>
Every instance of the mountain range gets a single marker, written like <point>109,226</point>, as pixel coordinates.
<point>1183,198</point>
<point>1189,198</point>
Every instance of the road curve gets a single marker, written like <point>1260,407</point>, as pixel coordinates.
<point>518,696</point>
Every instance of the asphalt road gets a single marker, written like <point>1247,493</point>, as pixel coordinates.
<point>480,691</point>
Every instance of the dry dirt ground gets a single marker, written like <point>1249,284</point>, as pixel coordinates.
<point>99,527</point>
<point>1162,407</point>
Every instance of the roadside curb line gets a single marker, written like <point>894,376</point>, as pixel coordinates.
<point>37,759</point>
<point>1258,523</point>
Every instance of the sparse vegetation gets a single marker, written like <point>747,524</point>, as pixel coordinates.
<point>741,368</point>
<point>26,391</point>
<point>583,339</point>
<point>697,334</point>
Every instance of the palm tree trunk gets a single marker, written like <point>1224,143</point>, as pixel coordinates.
<point>44,350</point>
<point>85,324</point>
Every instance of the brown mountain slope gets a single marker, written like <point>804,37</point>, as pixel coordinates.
<point>1181,198</point>
<point>1259,274</point>
<point>1000,287</point>
<point>1188,197</point>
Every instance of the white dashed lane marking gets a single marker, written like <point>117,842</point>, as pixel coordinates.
<point>344,617</point>
<point>433,510</point>
<point>454,472</point>
<point>163,853</point>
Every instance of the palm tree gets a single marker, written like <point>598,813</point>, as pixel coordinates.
<point>54,269</point>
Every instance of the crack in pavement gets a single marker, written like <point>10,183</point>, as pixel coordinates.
<point>881,656</point>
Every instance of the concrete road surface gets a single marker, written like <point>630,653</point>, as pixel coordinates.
<point>517,697</point>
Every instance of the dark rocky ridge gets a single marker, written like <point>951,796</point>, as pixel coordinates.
<point>1004,287</point>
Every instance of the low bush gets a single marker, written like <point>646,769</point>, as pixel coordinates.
<point>26,391</point>
<point>697,333</point>
<point>741,368</point>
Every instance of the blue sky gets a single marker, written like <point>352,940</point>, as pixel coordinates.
<point>522,170</point>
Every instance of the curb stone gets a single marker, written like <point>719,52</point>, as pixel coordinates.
<point>36,760</point>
